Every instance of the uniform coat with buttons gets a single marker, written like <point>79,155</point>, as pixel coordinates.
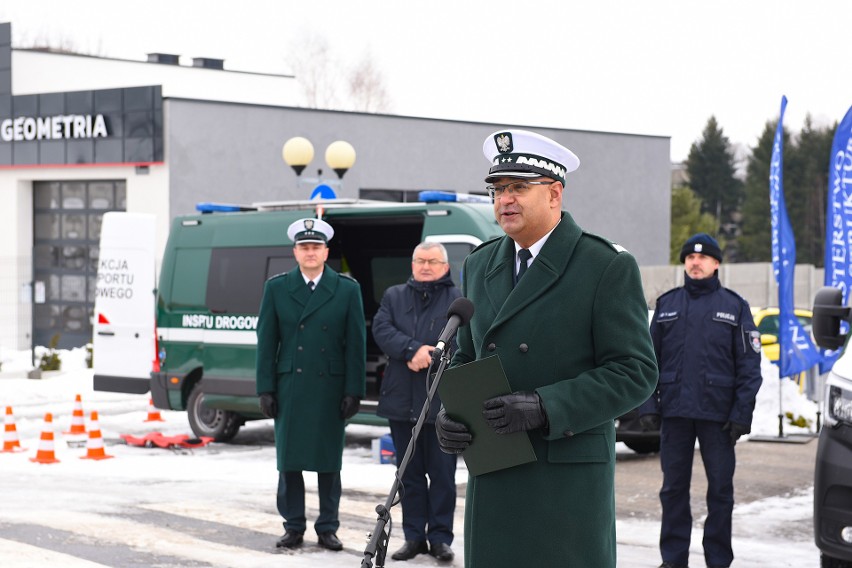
<point>311,351</point>
<point>575,331</point>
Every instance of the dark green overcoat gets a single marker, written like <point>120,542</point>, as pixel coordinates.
<point>311,350</point>
<point>574,330</point>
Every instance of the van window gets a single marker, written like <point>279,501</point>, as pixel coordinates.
<point>456,253</point>
<point>280,264</point>
<point>189,264</point>
<point>389,271</point>
<point>236,277</point>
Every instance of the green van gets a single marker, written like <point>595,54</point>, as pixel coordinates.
<point>211,281</point>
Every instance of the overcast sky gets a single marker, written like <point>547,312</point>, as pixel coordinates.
<point>659,67</point>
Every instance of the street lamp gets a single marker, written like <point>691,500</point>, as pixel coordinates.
<point>340,156</point>
<point>298,153</point>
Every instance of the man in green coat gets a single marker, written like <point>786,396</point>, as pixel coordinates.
<point>565,312</point>
<point>311,354</point>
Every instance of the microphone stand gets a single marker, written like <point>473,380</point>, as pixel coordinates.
<point>377,546</point>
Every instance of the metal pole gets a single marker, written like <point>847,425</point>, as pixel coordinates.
<point>780,409</point>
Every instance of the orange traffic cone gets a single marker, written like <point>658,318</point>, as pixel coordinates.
<point>95,445</point>
<point>78,424</point>
<point>10,434</point>
<point>45,445</point>
<point>153,413</point>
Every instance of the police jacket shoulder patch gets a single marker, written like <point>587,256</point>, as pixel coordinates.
<point>754,340</point>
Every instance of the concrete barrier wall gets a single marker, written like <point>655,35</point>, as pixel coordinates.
<point>754,281</point>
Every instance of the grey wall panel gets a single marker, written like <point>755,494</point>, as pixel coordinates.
<point>6,58</point>
<point>51,103</point>
<point>52,151</point>
<point>232,153</point>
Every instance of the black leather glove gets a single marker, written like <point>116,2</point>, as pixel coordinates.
<point>269,405</point>
<point>453,437</point>
<point>736,430</point>
<point>349,406</point>
<point>514,412</point>
<point>649,422</point>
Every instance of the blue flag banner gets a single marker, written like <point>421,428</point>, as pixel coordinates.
<point>798,353</point>
<point>838,228</point>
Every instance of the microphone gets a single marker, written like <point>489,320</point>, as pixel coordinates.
<point>458,314</point>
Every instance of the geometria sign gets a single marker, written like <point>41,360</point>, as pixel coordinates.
<point>59,127</point>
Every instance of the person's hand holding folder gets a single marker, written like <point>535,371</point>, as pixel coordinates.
<point>516,412</point>
<point>453,437</point>
<point>489,439</point>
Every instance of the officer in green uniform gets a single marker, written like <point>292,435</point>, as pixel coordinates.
<point>565,312</point>
<point>311,354</point>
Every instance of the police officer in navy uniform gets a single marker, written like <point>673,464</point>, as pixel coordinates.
<point>311,357</point>
<point>708,352</point>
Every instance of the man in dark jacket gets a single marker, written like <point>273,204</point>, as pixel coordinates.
<point>708,351</point>
<point>406,328</point>
<point>311,355</point>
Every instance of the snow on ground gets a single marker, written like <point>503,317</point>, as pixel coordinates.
<point>757,525</point>
<point>790,399</point>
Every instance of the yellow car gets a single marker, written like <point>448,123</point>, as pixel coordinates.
<point>766,320</point>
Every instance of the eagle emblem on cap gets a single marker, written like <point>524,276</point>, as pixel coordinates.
<point>504,142</point>
<point>309,224</point>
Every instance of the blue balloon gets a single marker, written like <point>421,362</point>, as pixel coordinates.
<point>323,191</point>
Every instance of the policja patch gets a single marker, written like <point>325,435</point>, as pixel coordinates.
<point>754,339</point>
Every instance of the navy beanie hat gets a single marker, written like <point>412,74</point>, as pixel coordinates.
<point>701,243</point>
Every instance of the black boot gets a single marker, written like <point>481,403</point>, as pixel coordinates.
<point>330,541</point>
<point>291,539</point>
<point>410,549</point>
<point>442,551</point>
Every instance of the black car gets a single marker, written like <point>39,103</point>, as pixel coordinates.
<point>629,431</point>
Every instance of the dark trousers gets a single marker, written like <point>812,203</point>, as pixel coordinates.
<point>677,448</point>
<point>427,507</point>
<point>291,501</point>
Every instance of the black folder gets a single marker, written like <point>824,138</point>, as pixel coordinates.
<point>463,390</point>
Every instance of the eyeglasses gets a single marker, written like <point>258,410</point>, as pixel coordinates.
<point>430,262</point>
<point>514,188</point>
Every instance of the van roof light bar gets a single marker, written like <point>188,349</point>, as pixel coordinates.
<point>433,196</point>
<point>210,207</point>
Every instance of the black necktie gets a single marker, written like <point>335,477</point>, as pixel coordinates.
<point>311,285</point>
<point>523,255</point>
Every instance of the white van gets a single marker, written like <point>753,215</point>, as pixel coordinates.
<point>124,344</point>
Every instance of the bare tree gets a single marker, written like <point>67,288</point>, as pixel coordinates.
<point>56,42</point>
<point>326,84</point>
<point>316,71</point>
<point>367,88</point>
